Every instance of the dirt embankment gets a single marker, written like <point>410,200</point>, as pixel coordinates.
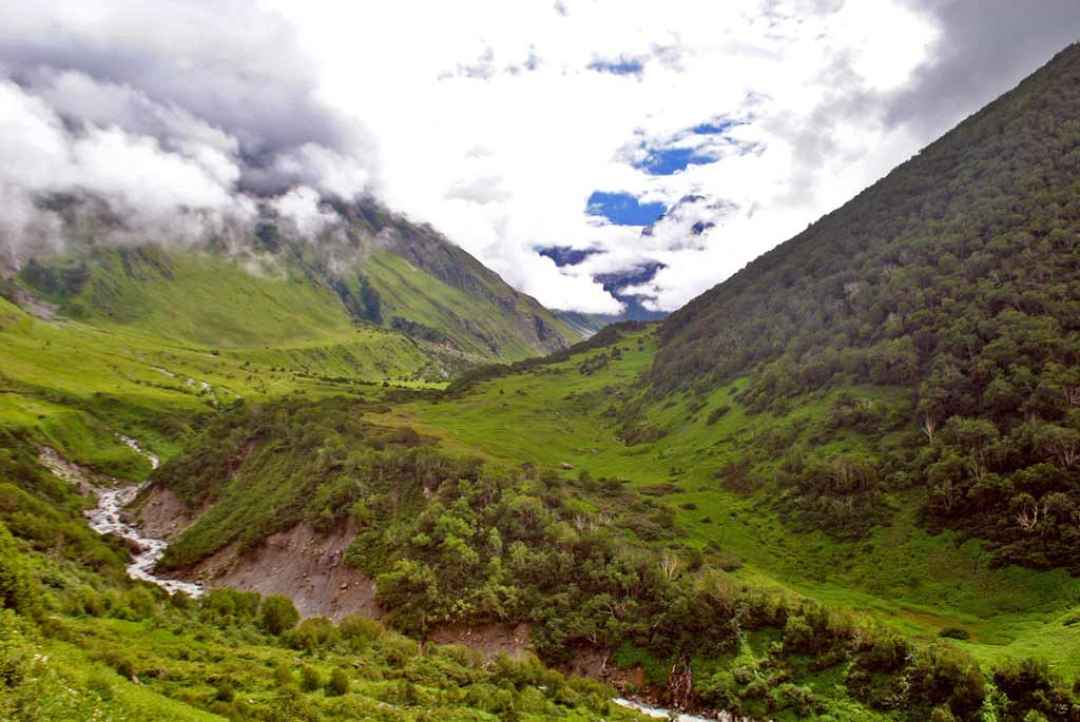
<point>161,514</point>
<point>490,640</point>
<point>300,563</point>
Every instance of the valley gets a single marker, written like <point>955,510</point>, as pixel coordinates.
<point>359,476</point>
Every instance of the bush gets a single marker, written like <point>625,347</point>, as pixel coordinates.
<point>278,614</point>
<point>283,675</point>
<point>313,634</point>
<point>15,591</point>
<point>123,664</point>
<point>338,684</point>
<point>359,630</point>
<point>716,414</point>
<point>224,691</point>
<point>954,633</point>
<point>310,679</point>
<point>100,683</point>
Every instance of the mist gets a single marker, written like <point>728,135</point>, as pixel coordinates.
<point>173,124</point>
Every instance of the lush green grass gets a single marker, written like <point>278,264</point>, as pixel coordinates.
<point>207,300</point>
<point>75,385</point>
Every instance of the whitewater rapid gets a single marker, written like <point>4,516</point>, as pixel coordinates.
<point>666,714</point>
<point>107,517</point>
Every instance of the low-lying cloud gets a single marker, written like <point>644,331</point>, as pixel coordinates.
<point>175,119</point>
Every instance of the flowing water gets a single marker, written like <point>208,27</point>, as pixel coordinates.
<point>107,517</point>
<point>666,714</point>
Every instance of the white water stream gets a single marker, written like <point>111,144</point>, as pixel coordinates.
<point>107,517</point>
<point>666,714</point>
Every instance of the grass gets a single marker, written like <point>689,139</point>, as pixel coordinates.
<point>75,385</point>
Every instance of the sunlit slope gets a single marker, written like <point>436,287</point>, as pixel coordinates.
<point>480,324</point>
<point>75,385</point>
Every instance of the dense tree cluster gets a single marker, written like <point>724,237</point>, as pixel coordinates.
<point>958,277</point>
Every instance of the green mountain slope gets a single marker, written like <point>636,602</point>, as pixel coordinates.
<point>276,289</point>
<point>954,280</point>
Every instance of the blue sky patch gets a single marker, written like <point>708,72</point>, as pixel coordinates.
<point>718,128</point>
<point>619,66</point>
<point>666,161</point>
<point>567,255</point>
<point>701,144</point>
<point>623,209</point>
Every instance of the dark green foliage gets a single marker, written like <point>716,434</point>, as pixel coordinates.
<point>310,679</point>
<point>1033,690</point>
<point>224,690</point>
<point>716,414</point>
<point>16,591</point>
<point>312,634</point>
<point>277,614</point>
<point>338,683</point>
<point>954,633</point>
<point>957,277</point>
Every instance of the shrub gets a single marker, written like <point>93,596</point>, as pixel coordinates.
<point>359,630</point>
<point>338,684</point>
<point>790,696</point>
<point>283,675</point>
<point>141,602</point>
<point>15,591</point>
<point>100,683</point>
<point>942,714</point>
<point>310,679</point>
<point>123,664</point>
<point>954,633</point>
<point>278,614</point>
<point>312,634</point>
<point>716,414</point>
<point>225,690</point>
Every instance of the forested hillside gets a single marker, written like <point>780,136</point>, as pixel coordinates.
<point>955,278</point>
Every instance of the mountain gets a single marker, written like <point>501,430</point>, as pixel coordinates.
<point>272,286</point>
<point>954,280</point>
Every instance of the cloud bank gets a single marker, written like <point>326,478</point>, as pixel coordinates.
<point>175,119</point>
<point>682,137</point>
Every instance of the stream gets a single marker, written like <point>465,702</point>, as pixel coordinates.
<point>107,516</point>
<point>666,714</point>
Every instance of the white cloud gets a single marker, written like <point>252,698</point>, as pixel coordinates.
<point>553,134</point>
<point>301,205</point>
<point>495,121</point>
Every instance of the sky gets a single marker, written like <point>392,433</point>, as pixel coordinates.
<point>685,138</point>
